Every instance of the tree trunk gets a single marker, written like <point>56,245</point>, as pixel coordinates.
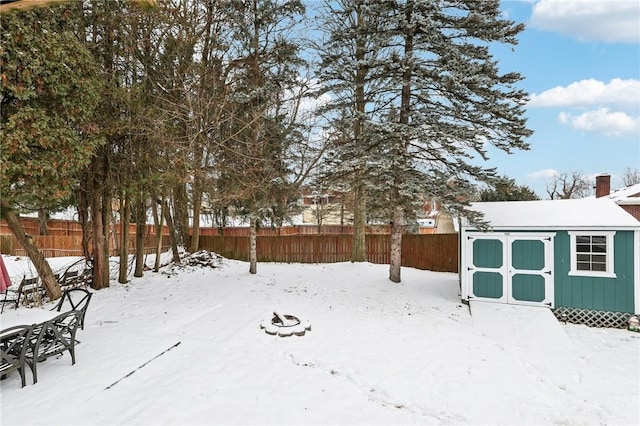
<point>253,252</point>
<point>180,214</point>
<point>359,251</point>
<point>107,214</point>
<point>43,217</point>
<point>397,229</point>
<point>158,218</point>
<point>83,218</point>
<point>319,213</point>
<point>125,215</point>
<point>141,228</point>
<point>37,258</point>
<point>172,232</point>
<point>100,248</point>
<point>114,233</point>
<point>195,230</point>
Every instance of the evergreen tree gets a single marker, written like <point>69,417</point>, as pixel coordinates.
<point>267,64</point>
<point>123,39</point>
<point>48,92</point>
<point>451,99</point>
<point>505,189</point>
<point>192,94</point>
<point>351,49</point>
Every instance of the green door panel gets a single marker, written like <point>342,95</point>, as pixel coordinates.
<point>487,253</point>
<point>488,284</point>
<point>527,255</point>
<point>527,288</point>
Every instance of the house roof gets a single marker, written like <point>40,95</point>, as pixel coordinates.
<point>628,195</point>
<point>586,213</point>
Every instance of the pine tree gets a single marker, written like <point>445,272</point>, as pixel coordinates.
<point>253,158</point>
<point>506,189</point>
<point>451,100</point>
<point>117,34</point>
<point>48,93</point>
<point>353,43</point>
<point>189,92</point>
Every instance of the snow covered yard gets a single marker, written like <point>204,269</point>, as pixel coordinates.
<point>377,353</point>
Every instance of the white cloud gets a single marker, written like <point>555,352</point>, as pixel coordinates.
<point>611,109</point>
<point>618,92</point>
<point>604,121</point>
<point>590,20</point>
<point>544,174</point>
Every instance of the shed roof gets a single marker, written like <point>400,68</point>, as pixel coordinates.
<point>594,213</point>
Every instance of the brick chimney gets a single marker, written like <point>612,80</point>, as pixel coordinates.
<point>603,185</point>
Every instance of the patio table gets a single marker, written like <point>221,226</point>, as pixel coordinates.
<point>26,316</point>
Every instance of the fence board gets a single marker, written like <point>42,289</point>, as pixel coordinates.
<point>6,244</point>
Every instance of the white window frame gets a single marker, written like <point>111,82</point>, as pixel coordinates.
<point>609,273</point>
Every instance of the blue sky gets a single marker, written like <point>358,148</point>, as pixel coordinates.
<point>581,63</point>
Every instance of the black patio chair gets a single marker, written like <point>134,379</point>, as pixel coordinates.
<point>86,277</point>
<point>52,337</point>
<point>13,347</point>
<point>6,300</point>
<point>28,289</point>
<point>78,299</point>
<point>68,279</point>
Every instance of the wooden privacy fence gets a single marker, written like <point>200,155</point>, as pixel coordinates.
<point>243,231</point>
<point>434,252</point>
<point>65,238</point>
<point>295,244</point>
<point>70,228</point>
<point>61,245</point>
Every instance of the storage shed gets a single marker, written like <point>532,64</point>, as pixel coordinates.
<point>581,258</point>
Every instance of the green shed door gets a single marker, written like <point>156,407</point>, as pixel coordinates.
<point>511,268</point>
<point>530,270</point>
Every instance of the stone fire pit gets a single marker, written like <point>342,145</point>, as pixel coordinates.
<point>285,325</point>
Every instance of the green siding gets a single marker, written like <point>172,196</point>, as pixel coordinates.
<point>487,284</point>
<point>598,293</point>
<point>487,253</point>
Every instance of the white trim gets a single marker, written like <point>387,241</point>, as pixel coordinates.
<point>609,273</point>
<point>636,272</point>
<point>627,202</point>
<point>463,264</point>
<point>557,228</point>
<point>460,263</point>
<point>510,234</point>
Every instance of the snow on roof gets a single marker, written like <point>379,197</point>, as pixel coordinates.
<point>628,195</point>
<point>556,214</point>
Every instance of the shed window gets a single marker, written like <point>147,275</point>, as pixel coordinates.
<point>592,253</point>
